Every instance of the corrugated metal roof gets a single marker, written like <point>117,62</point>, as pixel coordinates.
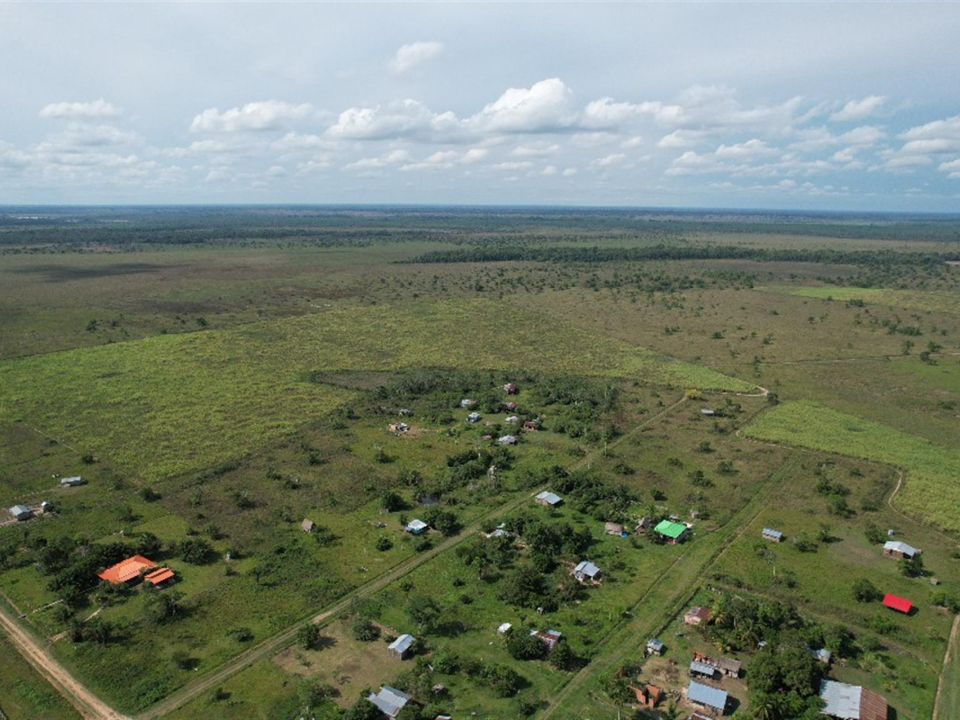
<point>389,700</point>
<point>549,497</point>
<point>706,695</point>
<point>402,643</point>
<point>702,668</point>
<point>672,530</point>
<point>585,567</point>
<point>900,547</point>
<point>842,700</point>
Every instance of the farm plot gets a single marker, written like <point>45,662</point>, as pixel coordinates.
<point>930,490</point>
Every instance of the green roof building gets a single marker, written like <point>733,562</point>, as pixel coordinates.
<point>673,531</point>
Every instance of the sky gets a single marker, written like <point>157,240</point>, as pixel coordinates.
<point>765,105</point>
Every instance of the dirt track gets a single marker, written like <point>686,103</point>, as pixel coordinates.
<point>87,704</point>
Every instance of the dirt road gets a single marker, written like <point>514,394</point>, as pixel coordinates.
<point>86,703</point>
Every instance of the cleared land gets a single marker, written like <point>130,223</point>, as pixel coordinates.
<point>931,490</point>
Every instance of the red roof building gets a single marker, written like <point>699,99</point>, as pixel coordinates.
<point>128,570</point>
<point>894,602</point>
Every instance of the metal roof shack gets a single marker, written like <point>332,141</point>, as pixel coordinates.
<point>673,531</point>
<point>851,702</point>
<point>73,481</point>
<point>549,499</point>
<point>401,646</point>
<point>586,571</point>
<point>389,701</point>
<point>702,669</point>
<point>707,696</point>
<point>771,534</point>
<point>895,602</point>
<point>899,549</point>
<point>654,647</point>
<point>416,527</point>
<point>21,512</point>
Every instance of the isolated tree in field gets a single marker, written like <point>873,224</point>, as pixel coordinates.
<point>424,611</point>
<point>912,566</point>
<point>164,607</point>
<point>308,636</point>
<point>524,646</point>
<point>865,591</point>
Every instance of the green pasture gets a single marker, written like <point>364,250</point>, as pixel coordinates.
<point>925,300</point>
<point>930,490</point>
<point>24,694</point>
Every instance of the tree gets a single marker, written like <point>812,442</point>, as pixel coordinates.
<point>391,501</point>
<point>563,657</point>
<point>308,636</point>
<point>313,693</point>
<point>164,607</point>
<point>197,551</point>
<point>865,591</point>
<point>912,566</point>
<point>424,611</point>
<point>524,646</point>
<point>365,630</point>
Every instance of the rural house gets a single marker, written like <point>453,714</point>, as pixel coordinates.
<point>512,419</point>
<point>21,512</point>
<point>531,425</point>
<point>772,535</point>
<point>416,527</point>
<point>895,602</point>
<point>707,697</point>
<point>73,481</point>
<point>615,529</point>
<point>586,571</point>
<point>473,418</point>
<point>697,616</point>
<point>389,701</point>
<point>899,550</point>
<point>672,532</point>
<point>504,628</point>
<point>654,647</point>
<point>510,406</point>
<point>511,389</point>
<point>402,646</point>
<point>643,525</point>
<point>702,669</point>
<point>549,499</point>
<point>851,702</point>
<point>507,440</point>
<point>550,638</point>
<point>307,526</point>
<point>134,568</point>
<point>708,412</point>
<point>729,667</point>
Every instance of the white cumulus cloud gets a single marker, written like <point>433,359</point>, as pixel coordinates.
<point>413,54</point>
<point>859,109</point>
<point>91,110</point>
<point>254,116</point>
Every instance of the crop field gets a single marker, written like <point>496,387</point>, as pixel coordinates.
<point>262,400</point>
<point>930,490</point>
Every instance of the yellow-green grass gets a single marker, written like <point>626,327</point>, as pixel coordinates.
<point>24,695</point>
<point>929,300</point>
<point>169,404</point>
<point>931,490</point>
<point>950,689</point>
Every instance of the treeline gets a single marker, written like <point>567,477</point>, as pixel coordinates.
<point>596,254</point>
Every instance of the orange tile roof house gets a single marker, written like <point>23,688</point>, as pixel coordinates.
<point>133,568</point>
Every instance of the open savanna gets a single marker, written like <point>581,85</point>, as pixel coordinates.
<point>930,489</point>
<point>174,403</point>
<point>927,300</point>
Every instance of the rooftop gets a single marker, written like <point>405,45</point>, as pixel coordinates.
<point>549,497</point>
<point>672,530</point>
<point>389,701</point>
<point>127,570</point>
<point>706,695</point>
<point>402,643</point>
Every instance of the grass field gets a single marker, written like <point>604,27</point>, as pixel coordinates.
<point>170,404</point>
<point>930,490</point>
<point>931,301</point>
<point>24,695</point>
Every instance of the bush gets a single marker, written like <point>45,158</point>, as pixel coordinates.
<point>523,646</point>
<point>309,636</point>
<point>384,543</point>
<point>865,591</point>
<point>365,630</point>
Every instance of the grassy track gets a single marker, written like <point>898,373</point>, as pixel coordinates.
<point>947,705</point>
<point>930,492</point>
